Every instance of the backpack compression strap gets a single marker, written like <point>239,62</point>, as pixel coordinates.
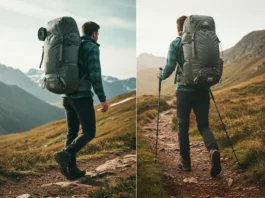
<point>42,56</point>
<point>178,66</point>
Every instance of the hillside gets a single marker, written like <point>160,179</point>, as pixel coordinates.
<point>29,156</point>
<point>21,111</point>
<point>145,61</point>
<point>244,61</point>
<point>147,83</point>
<point>11,76</point>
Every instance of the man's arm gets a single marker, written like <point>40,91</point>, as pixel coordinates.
<point>171,60</point>
<point>95,74</point>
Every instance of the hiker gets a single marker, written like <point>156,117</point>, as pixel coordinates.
<point>189,98</point>
<point>79,107</point>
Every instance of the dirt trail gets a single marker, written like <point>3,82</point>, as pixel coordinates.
<point>198,183</point>
<point>50,183</point>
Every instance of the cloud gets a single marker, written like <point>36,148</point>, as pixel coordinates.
<point>31,10</point>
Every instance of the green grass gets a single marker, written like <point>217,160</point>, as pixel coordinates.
<point>149,178</point>
<point>120,188</point>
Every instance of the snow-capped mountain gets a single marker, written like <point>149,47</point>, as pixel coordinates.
<point>112,85</point>
<point>129,84</point>
<point>36,75</point>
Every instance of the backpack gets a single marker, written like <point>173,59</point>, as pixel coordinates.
<point>60,56</point>
<point>202,66</point>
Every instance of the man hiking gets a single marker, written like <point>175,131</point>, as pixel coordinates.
<point>79,106</point>
<point>189,98</point>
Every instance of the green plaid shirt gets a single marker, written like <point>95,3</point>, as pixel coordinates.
<point>89,64</point>
<point>173,57</point>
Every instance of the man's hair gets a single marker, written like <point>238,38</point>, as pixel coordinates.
<point>90,27</point>
<point>180,22</point>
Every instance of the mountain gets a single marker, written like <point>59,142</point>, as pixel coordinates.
<point>146,60</point>
<point>242,62</point>
<point>112,85</point>
<point>253,44</point>
<point>21,111</point>
<point>245,60</point>
<point>11,76</point>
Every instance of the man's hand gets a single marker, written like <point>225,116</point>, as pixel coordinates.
<point>158,72</point>
<point>105,106</point>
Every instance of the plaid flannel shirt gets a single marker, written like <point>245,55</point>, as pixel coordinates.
<point>90,61</point>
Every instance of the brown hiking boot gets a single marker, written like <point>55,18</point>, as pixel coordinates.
<point>75,172</point>
<point>184,165</point>
<point>63,158</point>
<point>215,162</point>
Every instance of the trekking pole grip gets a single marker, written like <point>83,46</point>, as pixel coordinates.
<point>160,68</point>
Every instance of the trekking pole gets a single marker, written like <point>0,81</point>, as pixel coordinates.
<point>158,111</point>
<point>224,127</point>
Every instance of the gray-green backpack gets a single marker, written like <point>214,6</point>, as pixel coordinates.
<point>60,56</point>
<point>202,66</point>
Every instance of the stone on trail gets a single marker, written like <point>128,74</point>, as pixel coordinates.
<point>65,184</point>
<point>46,185</point>
<point>119,162</point>
<point>24,196</point>
<point>162,149</point>
<point>190,180</point>
<point>186,180</point>
<point>168,112</point>
<point>229,182</point>
<point>62,184</point>
<point>104,174</point>
<point>147,129</point>
<point>193,180</point>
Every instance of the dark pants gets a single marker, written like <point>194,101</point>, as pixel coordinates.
<point>79,111</point>
<point>199,101</point>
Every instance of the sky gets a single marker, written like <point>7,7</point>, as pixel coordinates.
<point>156,21</point>
<point>21,19</point>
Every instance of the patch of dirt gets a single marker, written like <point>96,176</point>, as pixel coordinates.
<point>198,183</point>
<point>50,183</point>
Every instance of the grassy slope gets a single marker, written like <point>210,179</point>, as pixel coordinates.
<point>27,151</point>
<point>149,182</point>
<point>243,109</point>
<point>241,71</point>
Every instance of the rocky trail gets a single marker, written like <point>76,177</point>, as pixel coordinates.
<point>198,183</point>
<point>48,182</point>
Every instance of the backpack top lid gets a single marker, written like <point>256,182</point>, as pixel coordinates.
<point>194,23</point>
<point>63,26</point>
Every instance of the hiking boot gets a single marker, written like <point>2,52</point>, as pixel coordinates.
<point>63,158</point>
<point>184,165</point>
<point>75,172</point>
<point>215,163</point>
